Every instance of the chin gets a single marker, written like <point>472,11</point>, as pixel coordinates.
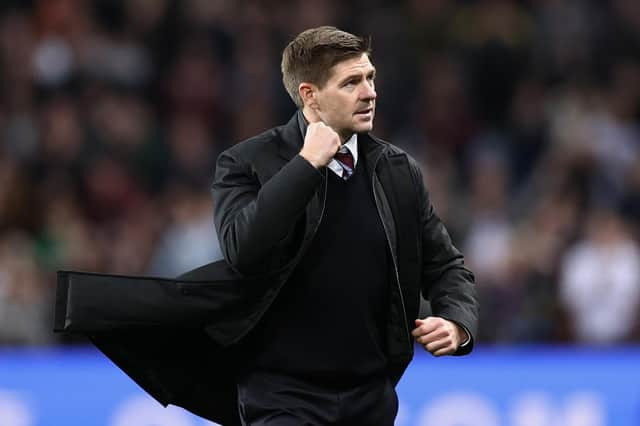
<point>361,126</point>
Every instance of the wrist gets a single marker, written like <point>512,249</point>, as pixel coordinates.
<point>315,163</point>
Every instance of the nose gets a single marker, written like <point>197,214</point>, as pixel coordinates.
<point>369,91</point>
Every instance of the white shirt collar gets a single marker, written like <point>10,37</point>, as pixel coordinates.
<point>352,146</point>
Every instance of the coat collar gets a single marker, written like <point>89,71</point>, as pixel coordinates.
<point>293,138</point>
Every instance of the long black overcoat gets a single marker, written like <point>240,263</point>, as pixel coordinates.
<point>178,337</point>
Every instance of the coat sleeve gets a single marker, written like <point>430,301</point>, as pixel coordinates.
<point>250,218</point>
<point>447,283</point>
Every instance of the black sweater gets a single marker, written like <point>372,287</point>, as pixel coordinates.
<point>328,322</point>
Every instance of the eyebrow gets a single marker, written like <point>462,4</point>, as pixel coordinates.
<point>345,80</point>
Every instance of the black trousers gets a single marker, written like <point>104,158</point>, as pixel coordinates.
<point>271,399</point>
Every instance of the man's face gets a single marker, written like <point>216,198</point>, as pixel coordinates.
<point>347,101</point>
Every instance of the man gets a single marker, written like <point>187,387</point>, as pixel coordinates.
<point>307,199</point>
<point>329,239</point>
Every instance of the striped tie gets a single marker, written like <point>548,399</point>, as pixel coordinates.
<point>345,159</point>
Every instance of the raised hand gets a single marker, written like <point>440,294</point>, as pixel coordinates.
<point>320,144</point>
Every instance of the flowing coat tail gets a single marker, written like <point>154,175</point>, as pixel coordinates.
<point>173,337</point>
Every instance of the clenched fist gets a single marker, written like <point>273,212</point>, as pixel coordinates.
<point>439,336</point>
<point>320,144</point>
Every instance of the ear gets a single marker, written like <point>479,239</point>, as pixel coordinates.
<point>308,93</point>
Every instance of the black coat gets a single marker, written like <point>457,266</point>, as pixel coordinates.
<point>177,337</point>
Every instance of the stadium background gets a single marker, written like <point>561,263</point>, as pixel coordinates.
<point>524,115</point>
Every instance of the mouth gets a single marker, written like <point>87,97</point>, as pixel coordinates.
<point>365,111</point>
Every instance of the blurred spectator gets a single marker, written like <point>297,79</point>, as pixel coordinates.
<point>193,151</point>
<point>15,197</point>
<point>489,235</point>
<point>190,240</point>
<point>195,85</point>
<point>600,282</point>
<point>24,304</point>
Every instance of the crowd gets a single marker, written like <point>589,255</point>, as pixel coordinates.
<point>524,115</point>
